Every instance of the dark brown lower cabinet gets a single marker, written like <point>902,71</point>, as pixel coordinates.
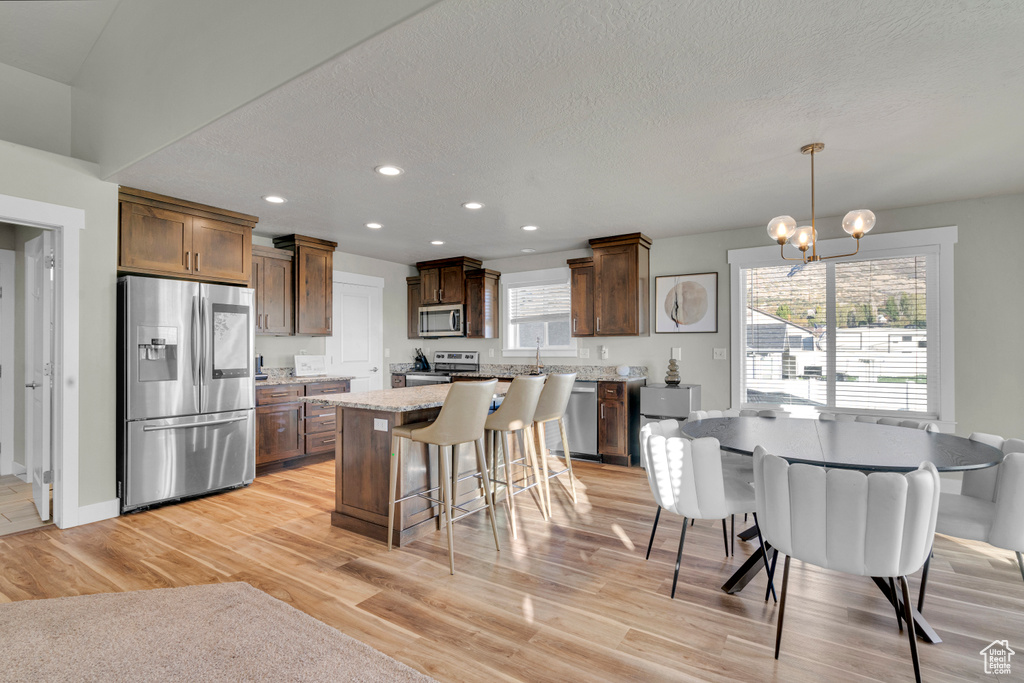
<point>287,428</point>
<point>279,432</point>
<point>618,422</point>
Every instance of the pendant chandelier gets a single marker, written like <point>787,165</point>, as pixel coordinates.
<point>783,229</point>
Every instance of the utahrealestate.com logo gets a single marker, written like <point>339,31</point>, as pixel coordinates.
<point>997,657</point>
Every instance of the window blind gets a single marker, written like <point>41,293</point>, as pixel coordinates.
<point>538,303</point>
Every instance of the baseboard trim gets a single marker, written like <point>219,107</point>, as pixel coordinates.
<point>97,512</point>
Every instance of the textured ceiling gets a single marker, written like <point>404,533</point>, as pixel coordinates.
<point>601,117</point>
<point>53,38</point>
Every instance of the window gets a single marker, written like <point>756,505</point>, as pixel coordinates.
<point>537,313</point>
<point>865,334</point>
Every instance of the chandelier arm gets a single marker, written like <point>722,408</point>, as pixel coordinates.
<point>852,253</point>
<point>782,253</point>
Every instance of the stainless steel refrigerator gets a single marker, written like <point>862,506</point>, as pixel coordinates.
<point>186,392</point>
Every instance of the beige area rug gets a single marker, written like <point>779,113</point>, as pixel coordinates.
<point>219,632</point>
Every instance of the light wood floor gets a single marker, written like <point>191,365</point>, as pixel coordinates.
<point>17,509</point>
<point>571,600</point>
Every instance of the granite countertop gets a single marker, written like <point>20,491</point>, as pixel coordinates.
<point>584,373</point>
<point>394,400</point>
<point>274,381</point>
<point>580,376</point>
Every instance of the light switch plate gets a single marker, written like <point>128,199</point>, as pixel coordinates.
<point>720,354</point>
<point>490,353</point>
<point>584,352</point>
<point>677,353</point>
<point>387,353</point>
<point>380,424</point>
<point>604,352</point>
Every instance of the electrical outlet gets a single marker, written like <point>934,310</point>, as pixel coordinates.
<point>490,353</point>
<point>387,353</point>
<point>584,352</point>
<point>677,353</point>
<point>302,352</point>
<point>380,424</point>
<point>604,352</point>
<point>720,354</point>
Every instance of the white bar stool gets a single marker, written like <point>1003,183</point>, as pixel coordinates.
<point>550,408</point>
<point>460,421</point>
<point>515,415</point>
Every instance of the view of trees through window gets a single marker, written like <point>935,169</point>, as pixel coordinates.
<point>880,351</point>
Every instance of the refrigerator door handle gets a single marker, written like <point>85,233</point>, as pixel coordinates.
<point>202,353</point>
<point>194,425</point>
<point>192,343</point>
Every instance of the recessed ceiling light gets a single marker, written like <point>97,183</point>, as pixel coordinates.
<point>274,199</point>
<point>529,228</point>
<point>528,250</point>
<point>437,243</point>
<point>374,226</point>
<point>472,205</point>
<point>389,170</point>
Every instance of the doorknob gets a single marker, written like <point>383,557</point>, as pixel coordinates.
<point>33,385</point>
<point>373,369</point>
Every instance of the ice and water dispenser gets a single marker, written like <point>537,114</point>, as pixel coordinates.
<point>158,353</point>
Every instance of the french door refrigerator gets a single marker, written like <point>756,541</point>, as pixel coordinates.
<point>186,392</point>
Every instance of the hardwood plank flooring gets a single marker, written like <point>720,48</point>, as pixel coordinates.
<point>570,599</point>
<point>17,508</point>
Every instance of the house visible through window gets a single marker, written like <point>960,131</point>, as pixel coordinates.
<point>537,313</point>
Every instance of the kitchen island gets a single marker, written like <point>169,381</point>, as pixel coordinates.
<point>362,454</point>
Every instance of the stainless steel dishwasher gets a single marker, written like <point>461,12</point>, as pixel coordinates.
<point>580,423</point>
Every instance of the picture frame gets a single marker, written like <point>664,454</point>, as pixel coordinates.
<point>686,304</point>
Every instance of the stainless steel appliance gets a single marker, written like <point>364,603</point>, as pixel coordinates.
<point>445,362</point>
<point>186,392</point>
<point>442,321</point>
<point>580,423</point>
<point>663,401</point>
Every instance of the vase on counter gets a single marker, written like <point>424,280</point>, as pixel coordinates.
<point>672,377</point>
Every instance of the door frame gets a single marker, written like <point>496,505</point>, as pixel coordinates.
<point>341,277</point>
<point>8,287</point>
<point>67,223</point>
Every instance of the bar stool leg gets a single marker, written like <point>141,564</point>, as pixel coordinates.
<point>482,464</point>
<point>445,456</point>
<point>542,449</point>
<point>505,440</point>
<point>526,448</point>
<point>568,459</point>
<point>396,446</point>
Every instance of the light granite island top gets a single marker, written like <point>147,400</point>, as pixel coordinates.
<point>362,458</point>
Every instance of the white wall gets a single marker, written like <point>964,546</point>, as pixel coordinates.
<point>34,111</point>
<point>45,177</point>
<point>161,70</point>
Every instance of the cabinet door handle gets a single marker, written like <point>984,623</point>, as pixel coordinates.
<point>328,322</point>
<point>259,321</point>
<point>328,441</point>
<point>188,260</point>
<point>602,411</point>
<point>266,321</point>
<point>574,325</point>
<point>197,261</point>
<point>598,324</point>
<point>280,395</point>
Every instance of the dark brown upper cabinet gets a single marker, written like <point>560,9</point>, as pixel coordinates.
<point>314,282</point>
<point>620,286</point>
<point>482,303</point>
<point>161,235</point>
<point>413,301</point>
<point>454,281</point>
<point>273,280</point>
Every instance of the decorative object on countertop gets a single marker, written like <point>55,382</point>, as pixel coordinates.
<point>686,303</point>
<point>258,367</point>
<point>622,371</point>
<point>537,366</point>
<point>672,376</point>
<point>782,229</point>
<point>310,366</point>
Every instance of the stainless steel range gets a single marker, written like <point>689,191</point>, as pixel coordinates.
<point>445,362</point>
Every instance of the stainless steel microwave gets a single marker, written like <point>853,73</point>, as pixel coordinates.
<point>442,321</point>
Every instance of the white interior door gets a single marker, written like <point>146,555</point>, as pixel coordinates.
<point>39,366</point>
<point>7,294</point>
<point>355,348</point>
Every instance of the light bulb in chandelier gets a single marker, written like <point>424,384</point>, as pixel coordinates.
<point>781,228</point>
<point>859,223</point>
<point>803,238</point>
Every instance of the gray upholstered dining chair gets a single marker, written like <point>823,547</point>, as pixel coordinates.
<point>990,505</point>
<point>687,478</point>
<point>879,524</point>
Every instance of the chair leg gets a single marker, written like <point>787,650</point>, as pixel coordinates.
<point>526,447</point>
<point>764,553</point>
<point>771,576</point>
<point>504,440</point>
<point>899,618</point>
<point>650,544</point>
<point>782,606</point>
<point>445,456</point>
<point>679,558</point>
<point>1020,563</point>
<point>568,459</point>
<point>396,446</point>
<point>924,580</point>
<point>488,496</point>
<point>732,534</point>
<point>911,634</point>
<point>542,452</point>
<point>692,521</point>
<point>725,536</point>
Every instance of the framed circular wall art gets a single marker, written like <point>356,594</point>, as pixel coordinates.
<point>686,303</point>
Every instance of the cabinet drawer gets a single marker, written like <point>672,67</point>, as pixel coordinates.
<point>612,390</point>
<point>282,393</point>
<point>324,423</point>
<point>320,443</point>
<point>321,388</point>
<point>314,410</point>
<point>397,381</point>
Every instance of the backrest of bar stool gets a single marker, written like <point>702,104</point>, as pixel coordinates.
<point>555,397</point>
<point>517,408</point>
<point>462,416</point>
